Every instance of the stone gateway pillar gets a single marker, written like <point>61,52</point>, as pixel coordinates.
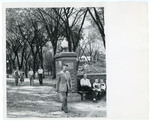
<point>68,58</point>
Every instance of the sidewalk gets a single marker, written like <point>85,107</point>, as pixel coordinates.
<point>37,101</point>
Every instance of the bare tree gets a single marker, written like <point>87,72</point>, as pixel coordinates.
<point>98,18</point>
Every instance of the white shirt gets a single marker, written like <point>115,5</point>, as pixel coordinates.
<point>30,73</point>
<point>96,86</point>
<point>85,82</point>
<point>40,71</point>
<point>103,86</point>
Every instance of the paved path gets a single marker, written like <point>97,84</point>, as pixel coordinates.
<point>37,101</point>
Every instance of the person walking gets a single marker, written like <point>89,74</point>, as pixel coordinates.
<point>40,73</point>
<point>64,85</point>
<point>31,77</point>
<point>21,76</point>
<point>16,76</point>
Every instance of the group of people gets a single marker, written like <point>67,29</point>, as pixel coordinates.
<point>64,85</point>
<point>20,74</point>
<point>96,89</point>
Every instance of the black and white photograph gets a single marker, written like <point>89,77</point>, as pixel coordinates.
<point>55,62</point>
<point>74,60</point>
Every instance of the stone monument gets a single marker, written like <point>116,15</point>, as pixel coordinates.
<point>70,59</point>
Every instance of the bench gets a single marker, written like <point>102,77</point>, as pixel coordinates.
<point>84,94</point>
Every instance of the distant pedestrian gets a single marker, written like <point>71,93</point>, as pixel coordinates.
<point>63,86</point>
<point>16,76</point>
<point>21,76</point>
<point>31,77</point>
<point>40,74</point>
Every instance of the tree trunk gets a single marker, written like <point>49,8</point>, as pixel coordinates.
<point>11,66</point>
<point>53,68</point>
<point>22,58</point>
<point>34,62</point>
<point>53,61</point>
<point>26,69</point>
<point>103,37</point>
<point>41,60</point>
<point>18,61</point>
